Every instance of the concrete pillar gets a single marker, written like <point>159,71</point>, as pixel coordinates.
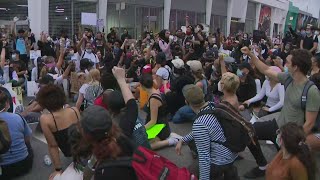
<point>272,22</point>
<point>38,13</point>
<point>208,11</point>
<point>102,6</point>
<point>166,14</point>
<point>258,9</point>
<point>229,15</point>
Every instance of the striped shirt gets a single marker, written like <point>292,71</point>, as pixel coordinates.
<point>205,130</point>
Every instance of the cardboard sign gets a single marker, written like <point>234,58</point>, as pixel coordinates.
<point>89,19</point>
<point>35,54</point>
<point>76,82</point>
<point>32,88</point>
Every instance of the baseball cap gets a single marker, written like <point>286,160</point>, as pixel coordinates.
<point>245,65</point>
<point>178,63</point>
<point>193,94</point>
<point>96,121</point>
<point>195,65</point>
<point>147,69</point>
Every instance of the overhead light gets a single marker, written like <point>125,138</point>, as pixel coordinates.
<point>22,5</point>
<point>66,18</point>
<point>59,9</point>
<point>4,9</point>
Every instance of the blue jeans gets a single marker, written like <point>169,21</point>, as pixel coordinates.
<point>184,114</point>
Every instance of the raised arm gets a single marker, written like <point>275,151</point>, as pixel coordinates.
<point>222,64</point>
<point>61,58</point>
<point>263,68</point>
<point>79,46</point>
<point>3,54</point>
<point>127,124</point>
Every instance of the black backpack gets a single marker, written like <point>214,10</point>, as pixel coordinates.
<point>304,98</point>
<point>238,132</point>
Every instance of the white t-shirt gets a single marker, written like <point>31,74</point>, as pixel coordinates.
<point>83,88</point>
<point>275,96</point>
<point>76,59</point>
<point>92,57</point>
<point>164,72</point>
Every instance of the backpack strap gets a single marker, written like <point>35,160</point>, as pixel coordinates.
<point>287,82</point>
<point>305,94</point>
<point>156,96</point>
<point>119,162</point>
<point>84,52</point>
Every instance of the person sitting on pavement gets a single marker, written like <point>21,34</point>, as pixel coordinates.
<point>215,160</point>
<point>275,96</point>
<point>18,160</point>
<point>56,123</point>
<point>298,64</point>
<point>294,160</point>
<point>157,114</point>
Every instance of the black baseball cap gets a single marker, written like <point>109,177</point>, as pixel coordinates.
<point>96,121</point>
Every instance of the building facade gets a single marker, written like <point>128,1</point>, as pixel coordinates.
<point>137,16</point>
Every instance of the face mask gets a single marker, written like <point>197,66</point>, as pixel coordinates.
<point>308,32</point>
<point>89,51</point>
<point>89,37</point>
<point>13,57</point>
<point>303,33</point>
<point>188,33</point>
<point>214,40</point>
<point>245,37</point>
<point>278,140</point>
<point>219,86</point>
<point>214,69</point>
<point>287,48</point>
<point>239,73</point>
<point>286,69</point>
<point>316,33</point>
<point>51,65</point>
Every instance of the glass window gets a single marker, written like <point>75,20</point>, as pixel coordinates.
<point>9,10</point>
<point>59,17</point>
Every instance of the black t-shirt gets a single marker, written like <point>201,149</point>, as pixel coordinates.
<point>134,72</point>
<point>32,40</point>
<point>46,49</point>
<point>308,42</point>
<point>20,65</point>
<point>247,90</point>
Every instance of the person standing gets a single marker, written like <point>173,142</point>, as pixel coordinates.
<point>309,42</point>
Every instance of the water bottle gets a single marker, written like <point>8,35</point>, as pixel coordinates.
<point>47,160</point>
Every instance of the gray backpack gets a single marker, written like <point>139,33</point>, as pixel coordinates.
<point>91,93</point>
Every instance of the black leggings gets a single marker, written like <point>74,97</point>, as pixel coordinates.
<point>17,169</point>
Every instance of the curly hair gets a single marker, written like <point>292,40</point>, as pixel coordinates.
<point>51,97</point>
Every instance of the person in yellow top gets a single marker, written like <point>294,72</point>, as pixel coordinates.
<point>293,161</point>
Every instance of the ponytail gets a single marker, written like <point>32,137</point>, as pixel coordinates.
<point>304,156</point>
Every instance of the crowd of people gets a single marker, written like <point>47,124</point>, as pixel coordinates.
<point>190,76</point>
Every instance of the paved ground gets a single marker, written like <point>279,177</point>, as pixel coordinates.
<point>41,172</point>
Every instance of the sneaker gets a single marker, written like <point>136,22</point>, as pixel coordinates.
<point>254,173</point>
